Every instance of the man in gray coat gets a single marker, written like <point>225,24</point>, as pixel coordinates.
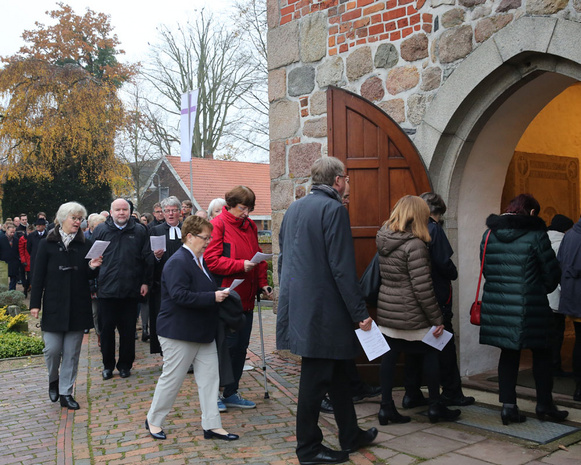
<point>320,304</point>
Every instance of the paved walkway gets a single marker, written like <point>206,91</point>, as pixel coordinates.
<point>109,426</point>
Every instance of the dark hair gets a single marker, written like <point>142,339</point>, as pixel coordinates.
<point>194,225</point>
<point>187,203</point>
<point>561,223</point>
<point>241,195</point>
<point>523,204</point>
<point>435,202</point>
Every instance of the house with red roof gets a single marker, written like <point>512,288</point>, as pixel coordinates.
<point>210,179</point>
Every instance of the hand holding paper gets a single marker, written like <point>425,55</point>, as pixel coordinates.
<point>372,341</point>
<point>97,249</point>
<point>437,342</point>
<point>260,257</point>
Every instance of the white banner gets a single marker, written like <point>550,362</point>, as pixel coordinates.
<point>188,118</point>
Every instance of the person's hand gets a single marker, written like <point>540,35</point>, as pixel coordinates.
<point>267,291</point>
<point>144,290</point>
<point>438,331</point>
<point>221,295</point>
<point>365,325</point>
<point>34,312</point>
<point>158,253</point>
<point>96,262</point>
<point>248,266</point>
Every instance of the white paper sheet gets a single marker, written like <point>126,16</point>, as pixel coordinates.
<point>437,342</point>
<point>157,243</point>
<point>234,285</point>
<point>372,341</point>
<point>260,257</point>
<point>97,250</point>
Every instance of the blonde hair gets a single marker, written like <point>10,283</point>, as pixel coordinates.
<point>410,214</point>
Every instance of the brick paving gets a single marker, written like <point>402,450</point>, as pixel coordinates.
<point>109,427</point>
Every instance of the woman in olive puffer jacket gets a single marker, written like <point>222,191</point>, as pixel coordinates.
<point>406,306</point>
<point>520,268</point>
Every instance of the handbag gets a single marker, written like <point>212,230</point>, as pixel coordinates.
<point>477,305</point>
<point>370,281</point>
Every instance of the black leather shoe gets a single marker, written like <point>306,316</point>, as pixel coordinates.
<point>209,434</point>
<point>413,401</point>
<point>53,390</point>
<point>326,455</point>
<point>544,411</point>
<point>145,336</point>
<point>107,374</point>
<point>438,412</point>
<point>511,415</point>
<point>125,373</point>
<point>460,401</point>
<point>365,438</point>
<point>367,392</point>
<point>160,435</point>
<point>69,402</point>
<point>326,405</point>
<point>577,393</point>
<point>388,413</point>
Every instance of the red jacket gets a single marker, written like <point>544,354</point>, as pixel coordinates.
<point>233,241</point>
<point>23,252</point>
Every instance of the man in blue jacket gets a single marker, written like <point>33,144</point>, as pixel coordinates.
<point>125,275</point>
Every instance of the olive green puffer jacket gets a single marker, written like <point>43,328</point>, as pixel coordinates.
<point>520,268</point>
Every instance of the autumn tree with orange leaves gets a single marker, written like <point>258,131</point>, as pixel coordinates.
<point>59,106</point>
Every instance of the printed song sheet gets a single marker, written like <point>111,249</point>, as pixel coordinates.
<point>97,249</point>
<point>234,285</point>
<point>437,342</point>
<point>260,257</point>
<point>372,341</point>
<point>157,243</point>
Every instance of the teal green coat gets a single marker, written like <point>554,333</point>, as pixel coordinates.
<point>520,268</point>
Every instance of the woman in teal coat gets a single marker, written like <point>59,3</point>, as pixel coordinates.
<point>520,268</point>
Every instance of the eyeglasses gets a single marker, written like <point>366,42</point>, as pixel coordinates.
<point>245,209</point>
<point>173,210</point>
<point>77,218</point>
<point>157,212</point>
<point>205,238</point>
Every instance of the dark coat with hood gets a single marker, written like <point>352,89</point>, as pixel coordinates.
<point>61,283</point>
<point>520,268</point>
<point>320,300</point>
<point>570,258</point>
<point>10,254</point>
<point>406,296</point>
<point>443,269</point>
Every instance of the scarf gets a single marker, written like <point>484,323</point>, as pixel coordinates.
<point>66,238</point>
<point>329,191</point>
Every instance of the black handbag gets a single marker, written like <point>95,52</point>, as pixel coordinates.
<point>370,281</point>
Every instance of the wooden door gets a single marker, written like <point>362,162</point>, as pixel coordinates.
<point>383,165</point>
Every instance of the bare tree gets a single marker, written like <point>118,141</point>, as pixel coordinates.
<point>207,56</point>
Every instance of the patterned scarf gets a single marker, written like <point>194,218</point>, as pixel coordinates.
<point>66,238</point>
<point>328,190</point>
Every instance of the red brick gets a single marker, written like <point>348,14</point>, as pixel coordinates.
<point>377,29</point>
<point>361,23</point>
<point>332,41</point>
<point>333,30</point>
<point>415,19</point>
<point>417,27</point>
<point>390,26</point>
<point>383,37</point>
<point>305,10</point>
<point>411,10</point>
<point>361,41</point>
<point>344,27</point>
<point>407,31</point>
<point>373,9</point>
<point>351,15</point>
<point>340,39</point>
<point>420,4</point>
<point>395,35</point>
<point>361,3</point>
<point>362,32</point>
<point>297,14</point>
<point>372,39</point>
<point>391,4</point>
<point>341,9</point>
<point>287,10</point>
<point>394,14</point>
<point>335,20</point>
<point>286,19</point>
<point>404,2</point>
<point>315,7</point>
<point>376,19</point>
<point>427,28</point>
<point>305,112</point>
<point>401,23</point>
<point>332,52</point>
<point>351,5</point>
<point>427,17</point>
<point>304,101</point>
<point>343,48</point>
<point>332,11</point>
<point>350,35</point>
<point>328,4</point>
<point>292,1</point>
<point>303,3</point>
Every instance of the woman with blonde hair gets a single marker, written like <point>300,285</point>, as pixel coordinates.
<point>407,307</point>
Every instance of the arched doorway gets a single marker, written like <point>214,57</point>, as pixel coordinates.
<point>470,132</point>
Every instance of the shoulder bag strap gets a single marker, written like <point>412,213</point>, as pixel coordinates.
<point>482,266</point>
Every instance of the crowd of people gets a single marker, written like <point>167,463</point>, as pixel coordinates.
<point>181,288</point>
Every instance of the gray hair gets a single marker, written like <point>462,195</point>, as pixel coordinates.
<point>95,219</point>
<point>69,209</point>
<point>326,169</point>
<point>171,201</point>
<point>213,204</point>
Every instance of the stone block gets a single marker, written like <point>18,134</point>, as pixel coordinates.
<point>455,43</point>
<point>402,78</point>
<point>313,37</point>
<point>281,194</point>
<point>577,5</point>
<point>506,5</point>
<point>386,56</point>
<point>315,127</point>
<point>284,119</point>
<point>301,81</point>
<point>319,103</point>
<point>545,7</point>
<point>481,11</point>
<point>394,108</point>
<point>471,3</point>
<point>301,157</point>
<point>276,84</point>
<point>283,45</point>
<point>372,89</point>
<point>437,3</point>
<point>453,17</point>
<point>526,34</point>
<point>417,105</point>
<point>486,27</point>
<point>561,43</point>
<point>431,78</point>
<point>330,72</point>
<point>272,13</point>
<point>359,63</point>
<point>277,159</point>
<point>415,47</point>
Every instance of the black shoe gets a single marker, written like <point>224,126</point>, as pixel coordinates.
<point>145,336</point>
<point>191,369</point>
<point>107,374</point>
<point>326,405</point>
<point>511,415</point>
<point>388,413</point>
<point>550,411</point>
<point>160,435</point>
<point>326,455</point>
<point>53,390</point>
<point>414,401</point>
<point>69,402</point>
<point>367,392</point>
<point>124,373</point>
<point>460,401</point>
<point>209,434</point>
<point>439,412</point>
<point>577,393</point>
<point>364,439</point>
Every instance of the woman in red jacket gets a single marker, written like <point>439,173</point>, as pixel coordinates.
<point>25,259</point>
<point>234,243</point>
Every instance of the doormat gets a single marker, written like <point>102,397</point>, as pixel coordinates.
<point>561,385</point>
<point>487,418</point>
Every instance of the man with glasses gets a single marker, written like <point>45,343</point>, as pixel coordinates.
<point>157,216</point>
<point>171,229</point>
<point>123,278</point>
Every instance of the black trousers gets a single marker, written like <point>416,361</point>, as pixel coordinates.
<point>577,352</point>
<point>319,376</point>
<point>154,306</point>
<point>120,314</point>
<point>542,372</point>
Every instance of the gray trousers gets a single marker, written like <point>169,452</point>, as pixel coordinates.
<point>61,353</point>
<point>177,358</point>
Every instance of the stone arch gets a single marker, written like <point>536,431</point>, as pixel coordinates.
<point>471,129</point>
